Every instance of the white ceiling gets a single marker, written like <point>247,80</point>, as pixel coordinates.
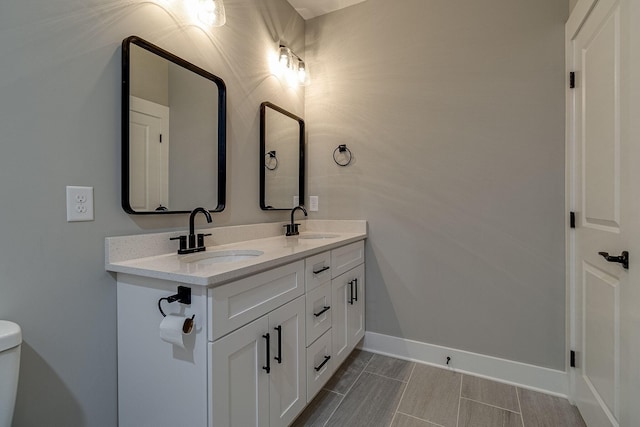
<point>311,8</point>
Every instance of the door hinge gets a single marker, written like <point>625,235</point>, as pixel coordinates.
<point>572,80</point>
<point>572,219</point>
<point>572,359</point>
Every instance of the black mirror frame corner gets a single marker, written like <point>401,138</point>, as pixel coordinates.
<point>263,153</point>
<point>125,122</point>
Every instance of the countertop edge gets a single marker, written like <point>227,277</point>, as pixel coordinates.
<point>222,278</point>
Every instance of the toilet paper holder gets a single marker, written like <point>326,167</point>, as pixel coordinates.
<point>183,296</point>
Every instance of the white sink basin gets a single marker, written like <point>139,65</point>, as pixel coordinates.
<point>216,257</point>
<point>317,236</point>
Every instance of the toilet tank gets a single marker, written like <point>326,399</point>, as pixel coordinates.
<point>10,341</point>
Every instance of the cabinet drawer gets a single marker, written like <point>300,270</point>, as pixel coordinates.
<point>345,258</point>
<point>317,270</point>
<point>238,303</point>
<point>320,364</point>
<point>318,312</point>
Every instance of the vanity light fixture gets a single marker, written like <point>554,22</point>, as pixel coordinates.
<point>285,57</point>
<point>207,12</point>
<point>302,72</point>
<point>292,67</point>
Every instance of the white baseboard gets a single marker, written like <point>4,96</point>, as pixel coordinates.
<point>506,371</point>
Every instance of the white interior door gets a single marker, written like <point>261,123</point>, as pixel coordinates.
<point>603,295</point>
<point>148,155</point>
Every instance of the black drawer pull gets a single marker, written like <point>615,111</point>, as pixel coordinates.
<point>351,299</point>
<point>278,358</point>
<point>356,286</point>
<point>268,367</point>
<point>326,359</point>
<point>325,268</point>
<point>324,310</point>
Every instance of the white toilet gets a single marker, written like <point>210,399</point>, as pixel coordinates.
<point>10,341</point>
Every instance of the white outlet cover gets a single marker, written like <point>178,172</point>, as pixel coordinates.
<point>313,203</point>
<point>79,203</point>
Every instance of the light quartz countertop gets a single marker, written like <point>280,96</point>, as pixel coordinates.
<point>154,256</point>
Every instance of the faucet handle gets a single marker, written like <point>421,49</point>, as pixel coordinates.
<point>183,243</point>
<point>292,229</point>
<point>201,237</point>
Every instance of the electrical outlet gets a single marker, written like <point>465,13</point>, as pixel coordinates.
<point>79,203</point>
<point>313,203</point>
<point>296,201</point>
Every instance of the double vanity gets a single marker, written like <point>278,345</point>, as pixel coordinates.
<point>231,326</point>
<point>274,316</point>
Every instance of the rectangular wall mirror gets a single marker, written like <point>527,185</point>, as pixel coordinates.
<point>281,158</point>
<point>173,133</point>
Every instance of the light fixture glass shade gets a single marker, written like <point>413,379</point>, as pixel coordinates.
<point>285,57</point>
<point>303,73</point>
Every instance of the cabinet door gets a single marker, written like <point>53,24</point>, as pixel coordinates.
<point>355,320</point>
<point>239,386</point>
<point>347,317</point>
<point>340,297</point>
<point>288,381</point>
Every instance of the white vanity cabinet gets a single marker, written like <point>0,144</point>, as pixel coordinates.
<point>262,347</point>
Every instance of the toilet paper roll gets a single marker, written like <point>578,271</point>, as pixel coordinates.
<point>171,329</point>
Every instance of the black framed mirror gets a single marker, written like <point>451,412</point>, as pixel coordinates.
<point>173,133</point>
<point>281,158</point>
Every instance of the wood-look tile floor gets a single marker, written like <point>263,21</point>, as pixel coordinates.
<point>373,390</point>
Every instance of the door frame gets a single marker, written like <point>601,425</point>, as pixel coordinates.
<point>577,17</point>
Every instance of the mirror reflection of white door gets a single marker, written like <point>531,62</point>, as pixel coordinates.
<point>148,155</point>
<point>603,191</point>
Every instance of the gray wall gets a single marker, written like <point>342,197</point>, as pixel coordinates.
<point>454,112</point>
<point>193,145</point>
<point>60,125</point>
<point>572,4</point>
<point>149,76</point>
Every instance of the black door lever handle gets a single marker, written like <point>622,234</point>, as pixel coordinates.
<point>622,259</point>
